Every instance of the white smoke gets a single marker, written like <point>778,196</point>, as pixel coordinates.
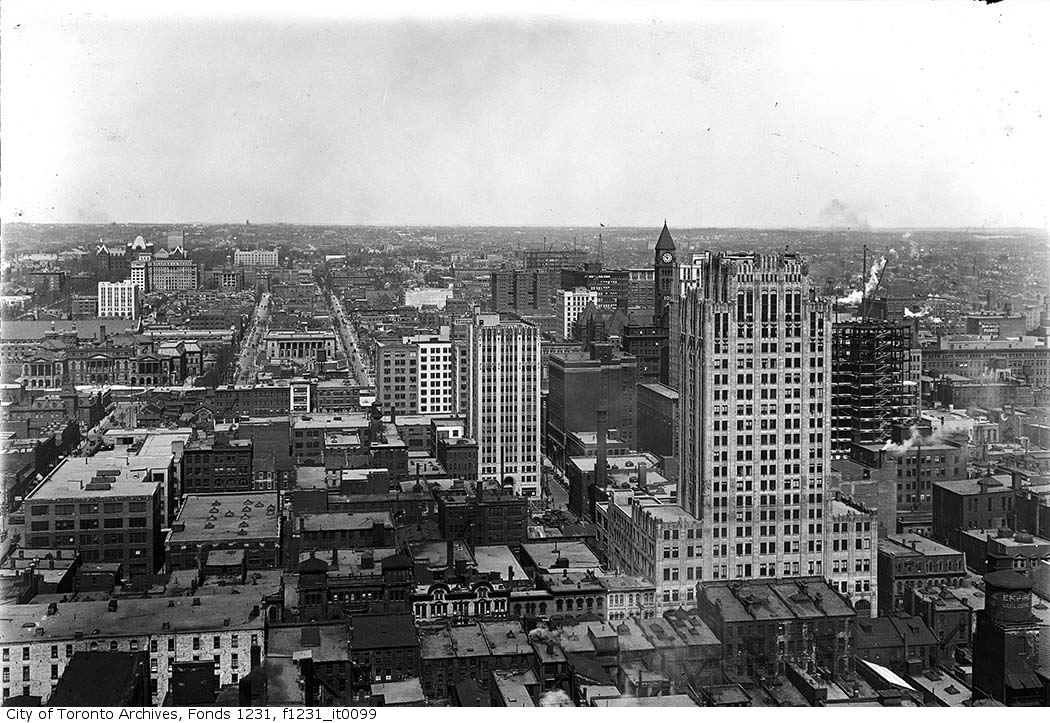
<point>924,311</point>
<point>555,699</point>
<point>916,436</point>
<point>855,297</point>
<point>898,449</point>
<point>913,247</point>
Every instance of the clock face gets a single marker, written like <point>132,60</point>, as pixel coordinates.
<point>667,257</point>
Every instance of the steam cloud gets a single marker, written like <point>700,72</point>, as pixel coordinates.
<point>913,246</point>
<point>841,215</point>
<point>924,311</point>
<point>856,296</point>
<point>555,699</point>
<point>898,449</point>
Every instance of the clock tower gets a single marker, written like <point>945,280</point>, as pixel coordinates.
<point>664,264</point>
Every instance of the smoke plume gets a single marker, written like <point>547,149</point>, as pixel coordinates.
<point>841,215</point>
<point>913,246</point>
<point>856,296</point>
<point>915,438</point>
<point>924,311</point>
<point>555,699</point>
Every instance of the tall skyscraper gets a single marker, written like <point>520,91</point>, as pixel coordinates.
<point>503,405</point>
<point>752,348</point>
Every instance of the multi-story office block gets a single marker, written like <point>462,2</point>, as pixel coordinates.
<point>660,542</point>
<point>417,375</point>
<point>908,561</point>
<point>656,422</point>
<point>173,274</point>
<point>553,259</point>
<point>641,288</point>
<point>752,348</point>
<point>218,464</point>
<point>255,257</point>
<point>108,508</point>
<point>118,299</point>
<point>570,304</point>
<point>521,291</point>
<point>40,640</point>
<point>503,409</point>
<point>580,384</point>
<point>850,553</point>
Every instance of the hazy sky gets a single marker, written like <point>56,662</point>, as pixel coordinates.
<point>726,115</point>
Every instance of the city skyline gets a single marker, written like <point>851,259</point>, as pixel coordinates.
<point>762,116</point>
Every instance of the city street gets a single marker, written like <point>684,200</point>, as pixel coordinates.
<point>348,339</point>
<point>249,354</point>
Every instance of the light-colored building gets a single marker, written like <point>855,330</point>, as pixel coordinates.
<point>299,346</point>
<point>256,257</point>
<point>851,553</point>
<point>39,640</point>
<point>570,304</point>
<point>660,542</point>
<point>119,299</point>
<point>417,375</point>
<point>750,347</point>
<point>173,274</point>
<point>503,410</point>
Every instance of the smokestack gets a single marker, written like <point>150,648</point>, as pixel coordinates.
<point>600,466</point>
<point>643,476</point>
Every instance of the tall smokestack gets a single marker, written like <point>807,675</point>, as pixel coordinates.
<point>601,465</point>
<point>643,477</point>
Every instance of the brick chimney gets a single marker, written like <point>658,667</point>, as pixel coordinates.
<point>601,465</point>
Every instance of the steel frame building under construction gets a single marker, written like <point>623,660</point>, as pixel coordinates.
<point>868,390</point>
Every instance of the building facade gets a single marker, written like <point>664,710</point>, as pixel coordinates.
<point>569,304</point>
<point>503,411</point>
<point>751,343</point>
<point>118,299</point>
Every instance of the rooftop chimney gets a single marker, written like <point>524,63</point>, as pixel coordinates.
<point>601,465</point>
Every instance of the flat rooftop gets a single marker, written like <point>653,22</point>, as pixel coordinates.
<point>680,700</point>
<point>662,389</point>
<point>322,521</point>
<point>988,483</point>
<point>327,643</point>
<point>127,477</point>
<point>345,420</point>
<point>545,554</point>
<point>134,617</point>
<point>912,545</point>
<point>621,461</point>
<point>498,558</point>
<point>239,515</point>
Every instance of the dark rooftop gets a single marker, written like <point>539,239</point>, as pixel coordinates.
<point>99,679</point>
<point>369,632</point>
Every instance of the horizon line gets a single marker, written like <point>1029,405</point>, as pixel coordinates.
<point>313,224</point>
